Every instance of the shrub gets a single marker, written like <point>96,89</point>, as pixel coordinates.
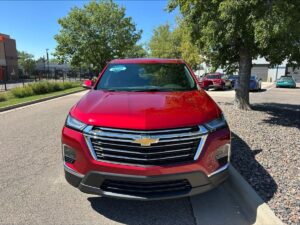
<point>58,86</point>
<point>21,92</point>
<point>42,88</point>
<point>68,85</point>
<point>3,97</point>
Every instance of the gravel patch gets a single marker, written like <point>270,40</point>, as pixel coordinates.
<point>266,151</point>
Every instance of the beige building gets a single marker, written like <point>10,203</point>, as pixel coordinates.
<point>8,58</point>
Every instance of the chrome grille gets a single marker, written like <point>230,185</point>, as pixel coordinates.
<point>170,146</point>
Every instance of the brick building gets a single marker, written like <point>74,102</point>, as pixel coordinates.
<point>8,58</point>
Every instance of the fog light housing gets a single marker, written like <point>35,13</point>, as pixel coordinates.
<point>69,154</point>
<point>223,154</point>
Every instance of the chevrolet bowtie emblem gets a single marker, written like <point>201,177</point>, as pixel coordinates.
<point>146,141</point>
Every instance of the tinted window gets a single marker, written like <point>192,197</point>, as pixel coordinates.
<point>233,77</point>
<point>286,78</point>
<point>146,77</point>
<point>213,76</point>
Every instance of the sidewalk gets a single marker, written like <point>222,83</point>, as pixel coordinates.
<point>234,203</point>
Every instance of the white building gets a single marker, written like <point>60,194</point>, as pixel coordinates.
<point>261,68</point>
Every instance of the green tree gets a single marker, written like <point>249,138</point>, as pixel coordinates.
<point>55,60</point>
<point>163,43</point>
<point>188,50</point>
<point>95,34</point>
<point>27,62</point>
<point>174,44</point>
<point>233,32</point>
<point>137,51</point>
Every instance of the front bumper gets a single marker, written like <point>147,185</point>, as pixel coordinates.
<point>217,86</point>
<point>286,85</point>
<point>93,181</point>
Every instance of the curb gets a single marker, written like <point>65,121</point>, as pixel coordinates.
<point>6,108</point>
<point>253,206</point>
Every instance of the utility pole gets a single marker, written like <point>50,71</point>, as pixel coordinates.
<point>47,57</point>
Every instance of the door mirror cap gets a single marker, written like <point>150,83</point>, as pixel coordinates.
<point>88,84</point>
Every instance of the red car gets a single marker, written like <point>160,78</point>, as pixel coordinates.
<point>146,131</point>
<point>215,81</point>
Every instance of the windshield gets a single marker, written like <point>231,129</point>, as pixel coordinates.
<point>213,76</point>
<point>233,77</point>
<point>146,77</point>
<point>286,78</point>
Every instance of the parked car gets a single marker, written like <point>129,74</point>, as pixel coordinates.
<point>215,81</point>
<point>286,81</point>
<point>146,131</point>
<point>254,84</point>
<point>232,79</point>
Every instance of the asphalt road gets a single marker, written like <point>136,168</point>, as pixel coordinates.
<point>32,185</point>
<point>33,189</point>
<point>269,94</point>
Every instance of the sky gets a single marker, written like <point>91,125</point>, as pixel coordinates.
<point>33,24</point>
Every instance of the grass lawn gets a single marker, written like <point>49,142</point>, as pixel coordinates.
<point>14,101</point>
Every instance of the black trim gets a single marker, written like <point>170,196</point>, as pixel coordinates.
<point>198,181</point>
<point>72,179</point>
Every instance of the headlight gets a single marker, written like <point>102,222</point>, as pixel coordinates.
<point>216,123</point>
<point>75,124</point>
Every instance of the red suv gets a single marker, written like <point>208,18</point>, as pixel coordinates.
<point>146,130</point>
<point>215,81</point>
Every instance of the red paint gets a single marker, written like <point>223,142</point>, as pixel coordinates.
<point>88,83</point>
<point>86,163</point>
<point>217,81</point>
<point>145,111</point>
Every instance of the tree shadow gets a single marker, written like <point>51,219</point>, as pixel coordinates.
<point>133,212</point>
<point>287,115</point>
<point>288,88</point>
<point>243,159</point>
<point>220,90</point>
<point>259,91</point>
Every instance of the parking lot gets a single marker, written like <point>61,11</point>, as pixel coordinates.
<point>33,189</point>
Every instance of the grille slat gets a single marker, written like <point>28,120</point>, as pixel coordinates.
<point>171,146</point>
<point>143,147</point>
<point>97,149</point>
<point>103,155</point>
<point>144,189</point>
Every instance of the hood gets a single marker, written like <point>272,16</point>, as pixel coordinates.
<point>145,110</point>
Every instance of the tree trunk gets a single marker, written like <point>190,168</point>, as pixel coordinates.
<point>242,91</point>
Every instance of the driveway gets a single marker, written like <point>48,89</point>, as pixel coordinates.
<point>269,94</point>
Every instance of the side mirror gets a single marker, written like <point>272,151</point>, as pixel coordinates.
<point>88,84</point>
